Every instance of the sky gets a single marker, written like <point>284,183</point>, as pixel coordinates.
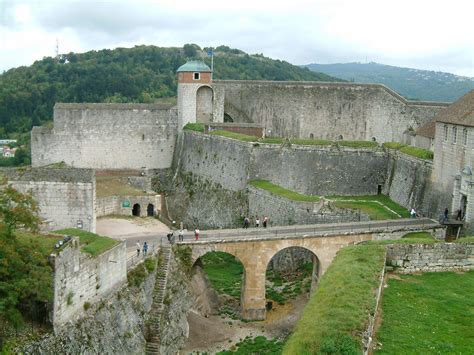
<point>432,35</point>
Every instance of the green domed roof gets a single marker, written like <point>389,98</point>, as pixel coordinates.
<point>194,66</point>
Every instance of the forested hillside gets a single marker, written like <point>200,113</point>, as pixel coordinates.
<point>411,83</point>
<point>139,74</point>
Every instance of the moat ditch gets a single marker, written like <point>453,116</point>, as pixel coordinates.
<point>214,320</point>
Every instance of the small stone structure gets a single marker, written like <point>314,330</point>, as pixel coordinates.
<point>80,278</point>
<point>65,196</point>
<point>408,258</point>
<point>147,205</point>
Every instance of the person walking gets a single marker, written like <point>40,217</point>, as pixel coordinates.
<point>138,248</point>
<point>257,222</point>
<point>181,235</point>
<point>145,248</point>
<point>246,222</point>
<point>196,234</point>
<point>265,221</point>
<point>412,213</point>
<point>446,215</point>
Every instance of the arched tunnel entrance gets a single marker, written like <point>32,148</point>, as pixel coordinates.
<point>136,210</point>
<point>290,276</point>
<point>150,210</point>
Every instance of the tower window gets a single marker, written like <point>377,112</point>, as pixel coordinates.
<point>197,76</point>
<point>455,134</point>
<point>464,136</point>
<point>445,133</point>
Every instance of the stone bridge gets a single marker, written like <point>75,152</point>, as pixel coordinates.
<point>255,247</point>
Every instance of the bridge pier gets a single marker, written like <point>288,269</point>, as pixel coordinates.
<point>252,298</point>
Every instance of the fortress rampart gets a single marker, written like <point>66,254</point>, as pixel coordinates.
<point>322,110</point>
<point>66,197</point>
<point>107,136</point>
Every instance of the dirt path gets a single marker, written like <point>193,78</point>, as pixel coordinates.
<point>214,333</point>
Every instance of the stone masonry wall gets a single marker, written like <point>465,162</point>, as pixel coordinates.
<point>431,257</point>
<point>65,197</point>
<point>326,110</point>
<point>282,211</point>
<point>80,278</point>
<point>88,135</point>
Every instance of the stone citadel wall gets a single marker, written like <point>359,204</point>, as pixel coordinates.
<point>325,110</point>
<point>107,136</point>
<point>223,167</point>
<point>66,197</point>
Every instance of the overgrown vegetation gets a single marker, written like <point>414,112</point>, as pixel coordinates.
<point>225,272</point>
<point>358,144</point>
<point>184,256</point>
<point>416,152</point>
<point>436,316</point>
<point>25,272</point>
<point>257,345</point>
<point>198,127</point>
<point>337,312</point>
<point>91,243</point>
<point>409,238</point>
<point>284,286</point>
<point>137,275</point>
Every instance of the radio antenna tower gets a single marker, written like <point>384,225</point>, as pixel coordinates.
<point>57,50</point>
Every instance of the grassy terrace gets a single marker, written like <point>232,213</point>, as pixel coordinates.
<point>410,150</point>
<point>435,317</point>
<point>281,191</point>
<point>378,207</point>
<point>337,313</point>
<point>91,243</point>
<point>115,186</point>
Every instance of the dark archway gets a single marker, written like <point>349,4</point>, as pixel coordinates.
<point>136,210</point>
<point>291,272</point>
<point>150,210</point>
<point>228,118</point>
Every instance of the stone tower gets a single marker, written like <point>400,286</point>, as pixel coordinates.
<point>195,93</point>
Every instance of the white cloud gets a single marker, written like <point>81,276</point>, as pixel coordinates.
<point>424,34</point>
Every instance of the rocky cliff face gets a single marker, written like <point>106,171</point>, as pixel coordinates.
<point>113,326</point>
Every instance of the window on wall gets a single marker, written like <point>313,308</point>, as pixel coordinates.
<point>445,133</point>
<point>197,76</point>
<point>455,134</point>
<point>464,136</point>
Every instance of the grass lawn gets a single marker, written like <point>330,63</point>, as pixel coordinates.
<point>465,240</point>
<point>225,272</point>
<point>281,191</point>
<point>91,243</point>
<point>410,150</point>
<point>338,311</point>
<point>373,205</point>
<point>115,186</point>
<point>234,135</point>
<point>431,313</point>
<point>198,127</point>
<point>258,345</point>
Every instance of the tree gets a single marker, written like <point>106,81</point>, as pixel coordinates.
<point>17,210</point>
<point>190,50</point>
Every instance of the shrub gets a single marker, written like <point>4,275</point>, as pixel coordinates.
<point>87,305</point>
<point>136,276</point>
<point>150,264</point>
<point>198,127</point>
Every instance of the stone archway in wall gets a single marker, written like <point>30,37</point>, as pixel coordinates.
<point>136,210</point>
<point>291,272</point>
<point>217,283</point>
<point>150,210</point>
<point>204,97</point>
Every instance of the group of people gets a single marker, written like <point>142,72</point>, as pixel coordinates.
<point>145,248</point>
<point>257,222</point>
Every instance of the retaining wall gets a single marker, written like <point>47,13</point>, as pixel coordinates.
<point>123,205</point>
<point>80,278</point>
<point>409,258</point>
<point>65,196</point>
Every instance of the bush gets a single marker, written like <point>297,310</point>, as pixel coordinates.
<point>87,305</point>
<point>136,276</point>
<point>150,264</point>
<point>198,127</point>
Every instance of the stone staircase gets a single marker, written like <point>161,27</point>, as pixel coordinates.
<point>154,326</point>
